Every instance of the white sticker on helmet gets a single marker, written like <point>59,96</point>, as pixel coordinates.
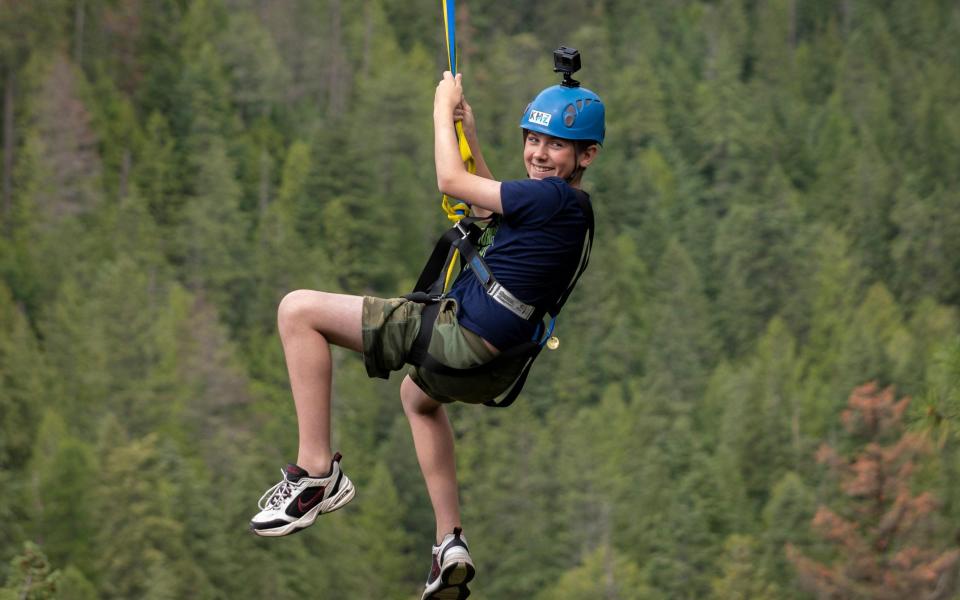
<point>539,118</point>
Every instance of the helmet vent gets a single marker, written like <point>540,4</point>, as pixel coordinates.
<point>569,115</point>
<point>587,101</point>
<point>580,104</point>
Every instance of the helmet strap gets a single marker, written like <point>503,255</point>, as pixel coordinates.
<point>577,169</point>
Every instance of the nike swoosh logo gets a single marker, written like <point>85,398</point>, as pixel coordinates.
<point>316,499</point>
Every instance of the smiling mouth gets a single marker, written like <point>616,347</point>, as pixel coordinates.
<point>540,169</point>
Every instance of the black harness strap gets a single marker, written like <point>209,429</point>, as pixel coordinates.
<point>464,237</point>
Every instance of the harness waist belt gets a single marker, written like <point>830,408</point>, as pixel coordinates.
<point>507,300</point>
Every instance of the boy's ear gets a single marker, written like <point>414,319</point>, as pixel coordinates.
<point>588,154</point>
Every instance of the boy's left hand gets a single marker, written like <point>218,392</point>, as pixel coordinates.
<point>449,92</point>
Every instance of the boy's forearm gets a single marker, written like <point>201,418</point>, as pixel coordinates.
<point>453,179</point>
<point>446,151</point>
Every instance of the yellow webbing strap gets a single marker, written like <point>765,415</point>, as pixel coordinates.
<point>454,208</point>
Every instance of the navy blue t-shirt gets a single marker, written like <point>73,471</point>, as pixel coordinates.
<point>534,254</point>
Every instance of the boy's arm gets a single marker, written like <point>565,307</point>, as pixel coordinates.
<point>453,178</point>
<point>464,114</point>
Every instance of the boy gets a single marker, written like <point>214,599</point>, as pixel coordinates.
<point>534,255</point>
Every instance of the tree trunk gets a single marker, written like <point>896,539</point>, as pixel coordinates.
<point>7,203</point>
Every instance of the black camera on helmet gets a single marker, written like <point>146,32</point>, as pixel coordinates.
<point>567,61</point>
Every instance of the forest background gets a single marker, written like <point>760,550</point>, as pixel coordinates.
<point>778,224</point>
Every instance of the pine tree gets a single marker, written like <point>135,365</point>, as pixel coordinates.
<point>786,519</point>
<point>21,383</point>
<point>379,542</point>
<point>258,77</point>
<point>31,577</point>
<point>61,476</point>
<point>681,345</point>
<point>741,577</point>
<point>604,573</point>
<point>883,542</point>
<point>761,266</point>
<point>140,549</point>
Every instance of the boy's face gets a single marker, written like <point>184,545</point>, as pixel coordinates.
<point>547,156</point>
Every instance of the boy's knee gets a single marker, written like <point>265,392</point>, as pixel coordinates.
<point>414,400</point>
<point>293,310</point>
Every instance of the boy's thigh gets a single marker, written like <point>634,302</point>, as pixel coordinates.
<point>336,316</point>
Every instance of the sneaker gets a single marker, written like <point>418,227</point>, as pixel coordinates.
<point>299,499</point>
<point>452,569</point>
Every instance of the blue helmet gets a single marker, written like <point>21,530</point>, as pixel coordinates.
<point>571,113</point>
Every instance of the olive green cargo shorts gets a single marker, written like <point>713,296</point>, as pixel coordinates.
<point>390,327</point>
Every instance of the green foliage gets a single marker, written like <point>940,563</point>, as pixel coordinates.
<point>777,212</point>
<point>31,577</point>
<point>603,574</point>
<point>741,578</point>
<point>21,376</point>
<point>681,344</point>
<point>62,475</point>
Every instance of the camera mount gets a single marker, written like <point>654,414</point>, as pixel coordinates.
<point>567,61</point>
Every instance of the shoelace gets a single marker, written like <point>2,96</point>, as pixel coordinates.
<point>275,496</point>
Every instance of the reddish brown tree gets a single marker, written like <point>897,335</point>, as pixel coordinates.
<point>885,541</point>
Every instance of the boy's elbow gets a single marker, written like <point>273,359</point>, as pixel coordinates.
<point>445,184</point>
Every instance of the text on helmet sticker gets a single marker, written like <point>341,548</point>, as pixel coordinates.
<point>539,118</point>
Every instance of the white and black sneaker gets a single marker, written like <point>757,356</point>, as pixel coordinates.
<point>299,499</point>
<point>452,569</point>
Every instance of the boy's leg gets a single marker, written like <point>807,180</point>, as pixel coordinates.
<point>433,439</point>
<point>309,322</point>
<point>452,568</point>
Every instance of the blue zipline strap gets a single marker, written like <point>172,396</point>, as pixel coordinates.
<point>450,26</point>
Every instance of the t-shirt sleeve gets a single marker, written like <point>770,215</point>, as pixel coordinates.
<point>530,202</point>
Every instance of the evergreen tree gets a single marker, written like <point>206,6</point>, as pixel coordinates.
<point>31,577</point>
<point>140,549</point>
<point>786,519</point>
<point>884,544</point>
<point>760,262</point>
<point>379,542</point>
<point>681,345</point>
<point>61,476</point>
<point>603,574</point>
<point>741,578</point>
<point>21,383</point>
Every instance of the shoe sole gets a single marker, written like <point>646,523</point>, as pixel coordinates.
<point>453,580</point>
<point>345,495</point>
